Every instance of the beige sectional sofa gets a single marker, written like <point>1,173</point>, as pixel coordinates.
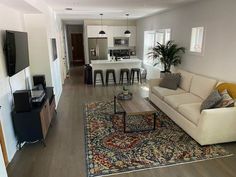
<point>210,126</point>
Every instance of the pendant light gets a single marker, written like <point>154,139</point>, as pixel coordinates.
<point>127,32</point>
<point>101,33</point>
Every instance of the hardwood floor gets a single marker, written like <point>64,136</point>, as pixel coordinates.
<point>64,155</point>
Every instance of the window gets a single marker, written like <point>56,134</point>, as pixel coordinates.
<point>197,40</point>
<point>151,38</point>
<point>149,43</point>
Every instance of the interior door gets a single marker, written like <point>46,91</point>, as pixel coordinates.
<point>77,48</point>
<point>102,49</point>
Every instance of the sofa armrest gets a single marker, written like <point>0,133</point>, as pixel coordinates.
<point>154,82</point>
<point>218,125</point>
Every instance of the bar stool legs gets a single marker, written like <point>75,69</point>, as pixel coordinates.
<point>122,73</point>
<point>133,71</point>
<point>108,72</point>
<point>96,72</point>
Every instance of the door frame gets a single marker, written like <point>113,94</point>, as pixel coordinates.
<point>82,44</point>
<point>3,146</point>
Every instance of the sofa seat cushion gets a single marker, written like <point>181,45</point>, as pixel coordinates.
<point>191,112</point>
<point>161,92</point>
<point>185,98</point>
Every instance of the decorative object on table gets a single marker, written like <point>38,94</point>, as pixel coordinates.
<point>125,90</point>
<point>171,81</point>
<point>168,55</point>
<point>125,94</point>
<point>111,151</point>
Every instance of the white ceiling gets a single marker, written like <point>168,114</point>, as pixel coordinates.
<point>20,5</point>
<point>112,9</point>
<point>90,9</point>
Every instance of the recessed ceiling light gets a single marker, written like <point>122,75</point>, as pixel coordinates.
<point>68,8</point>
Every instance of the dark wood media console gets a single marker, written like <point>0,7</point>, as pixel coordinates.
<point>33,126</point>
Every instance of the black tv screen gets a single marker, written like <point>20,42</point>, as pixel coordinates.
<point>17,53</point>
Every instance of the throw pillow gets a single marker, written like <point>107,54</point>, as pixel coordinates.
<point>227,100</point>
<point>230,87</point>
<point>211,101</point>
<point>171,81</point>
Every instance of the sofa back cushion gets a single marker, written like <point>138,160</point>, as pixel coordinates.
<point>202,86</point>
<point>186,79</point>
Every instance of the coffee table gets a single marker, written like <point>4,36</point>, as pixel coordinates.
<point>136,106</point>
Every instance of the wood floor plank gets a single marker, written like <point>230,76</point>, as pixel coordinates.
<point>64,155</point>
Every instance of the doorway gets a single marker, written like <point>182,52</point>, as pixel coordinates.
<point>77,47</point>
<point>3,146</point>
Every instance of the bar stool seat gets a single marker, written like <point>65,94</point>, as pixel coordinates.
<point>133,71</point>
<point>124,71</point>
<point>96,72</point>
<point>108,72</point>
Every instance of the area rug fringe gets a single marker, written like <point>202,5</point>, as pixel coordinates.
<point>182,163</point>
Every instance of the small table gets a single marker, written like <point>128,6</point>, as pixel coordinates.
<point>136,106</point>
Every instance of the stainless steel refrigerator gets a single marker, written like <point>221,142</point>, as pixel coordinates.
<point>98,48</point>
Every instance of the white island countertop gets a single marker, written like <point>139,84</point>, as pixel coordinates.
<point>124,61</point>
<point>116,65</point>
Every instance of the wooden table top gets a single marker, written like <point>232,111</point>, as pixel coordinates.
<point>137,105</point>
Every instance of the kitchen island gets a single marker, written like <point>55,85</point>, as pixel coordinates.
<point>116,65</point>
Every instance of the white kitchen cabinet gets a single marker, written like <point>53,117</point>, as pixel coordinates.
<point>118,31</point>
<point>132,39</point>
<point>93,31</point>
<point>111,32</point>
<point>110,36</point>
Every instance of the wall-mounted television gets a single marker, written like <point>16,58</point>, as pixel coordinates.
<point>16,51</point>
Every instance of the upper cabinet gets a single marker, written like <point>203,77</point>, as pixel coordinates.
<point>93,31</point>
<point>111,32</point>
<point>132,39</point>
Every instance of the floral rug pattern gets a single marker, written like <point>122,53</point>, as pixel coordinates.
<point>109,150</point>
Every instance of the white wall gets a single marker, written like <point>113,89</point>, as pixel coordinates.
<point>38,46</point>
<point>218,17</point>
<point>12,21</point>
<point>41,29</point>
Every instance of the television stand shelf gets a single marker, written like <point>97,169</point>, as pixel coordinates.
<point>33,126</point>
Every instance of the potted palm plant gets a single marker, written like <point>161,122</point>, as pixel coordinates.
<point>168,55</point>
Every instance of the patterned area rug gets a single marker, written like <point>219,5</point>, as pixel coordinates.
<point>109,150</point>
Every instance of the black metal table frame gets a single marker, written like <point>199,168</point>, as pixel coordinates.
<point>124,117</point>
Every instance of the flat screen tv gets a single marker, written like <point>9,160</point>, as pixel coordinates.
<point>16,51</point>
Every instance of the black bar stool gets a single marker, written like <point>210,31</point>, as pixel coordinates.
<point>124,71</point>
<point>96,72</point>
<point>143,75</point>
<point>133,71</point>
<point>108,72</point>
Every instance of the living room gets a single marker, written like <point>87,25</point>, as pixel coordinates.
<point>128,124</point>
